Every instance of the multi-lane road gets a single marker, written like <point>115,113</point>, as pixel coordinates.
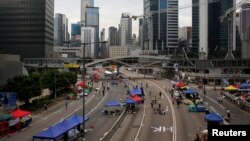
<point>145,125</point>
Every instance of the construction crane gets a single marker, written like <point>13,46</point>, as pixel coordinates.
<point>171,8</point>
<point>230,16</point>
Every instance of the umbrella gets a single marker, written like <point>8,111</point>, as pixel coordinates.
<point>189,91</point>
<point>231,88</point>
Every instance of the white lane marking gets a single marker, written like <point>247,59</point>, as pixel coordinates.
<point>138,132</point>
<point>216,102</point>
<point>172,110</point>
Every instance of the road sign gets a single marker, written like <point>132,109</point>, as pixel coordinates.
<point>161,129</point>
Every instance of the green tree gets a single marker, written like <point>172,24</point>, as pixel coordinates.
<point>26,87</point>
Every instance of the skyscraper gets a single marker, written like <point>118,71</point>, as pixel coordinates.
<point>245,30</point>
<point>112,36</point>
<point>84,5</point>
<point>126,29</point>
<point>27,27</point>
<point>88,36</point>
<point>213,35</point>
<point>60,29</point>
<point>161,29</point>
<point>195,26</point>
<point>92,20</point>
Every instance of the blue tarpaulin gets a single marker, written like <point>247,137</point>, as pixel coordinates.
<point>112,103</point>
<point>213,117</point>
<point>190,91</point>
<point>136,91</point>
<point>225,82</point>
<point>244,85</point>
<point>129,101</point>
<point>61,128</point>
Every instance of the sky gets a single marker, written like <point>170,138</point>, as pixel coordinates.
<point>111,10</point>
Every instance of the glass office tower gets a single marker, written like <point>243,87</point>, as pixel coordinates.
<point>26,27</point>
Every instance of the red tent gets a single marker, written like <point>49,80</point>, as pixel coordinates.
<point>20,113</point>
<point>236,86</point>
<point>136,98</point>
<point>81,84</point>
<point>180,84</point>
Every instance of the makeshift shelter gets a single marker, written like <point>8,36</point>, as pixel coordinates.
<point>58,130</point>
<point>213,118</point>
<point>112,103</point>
<point>189,91</point>
<point>20,113</point>
<point>81,84</point>
<point>136,91</point>
<point>180,84</point>
<point>129,101</point>
<point>136,98</point>
<point>231,88</point>
<point>4,117</point>
<point>244,86</point>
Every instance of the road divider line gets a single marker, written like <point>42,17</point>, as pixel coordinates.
<point>172,110</point>
<point>141,124</point>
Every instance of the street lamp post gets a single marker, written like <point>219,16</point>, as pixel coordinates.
<point>83,80</point>
<point>204,87</point>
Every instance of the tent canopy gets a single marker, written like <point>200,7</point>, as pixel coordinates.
<point>20,113</point>
<point>213,117</point>
<point>81,84</point>
<point>244,85</point>
<point>136,98</point>
<point>231,88</point>
<point>112,103</point>
<point>4,117</point>
<point>180,84</point>
<point>61,128</point>
<point>189,91</point>
<point>130,101</point>
<point>136,91</point>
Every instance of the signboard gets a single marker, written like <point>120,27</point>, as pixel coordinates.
<point>8,99</point>
<point>71,66</point>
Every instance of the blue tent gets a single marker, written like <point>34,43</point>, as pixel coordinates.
<point>129,101</point>
<point>112,103</point>
<point>213,117</point>
<point>136,91</point>
<point>78,119</point>
<point>244,85</point>
<point>61,128</point>
<point>190,91</point>
<point>50,133</point>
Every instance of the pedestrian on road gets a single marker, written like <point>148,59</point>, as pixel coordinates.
<point>228,114</point>
<point>45,106</point>
<point>146,85</point>
<point>160,94</point>
<point>66,104</point>
<point>159,106</point>
<point>197,138</point>
<point>152,104</point>
<point>103,93</point>
<point>150,93</point>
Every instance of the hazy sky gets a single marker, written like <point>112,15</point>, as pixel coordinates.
<point>111,10</point>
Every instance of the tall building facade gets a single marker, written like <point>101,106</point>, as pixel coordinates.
<point>84,5</point>
<point>213,35</point>
<point>126,29</point>
<point>112,36</point>
<point>27,27</point>
<point>141,23</point>
<point>60,29</point>
<point>195,26</point>
<point>92,20</point>
<point>161,29</point>
<point>245,30</point>
<point>88,36</point>
<point>76,34</point>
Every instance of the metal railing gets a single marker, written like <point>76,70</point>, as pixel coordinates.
<point>110,133</point>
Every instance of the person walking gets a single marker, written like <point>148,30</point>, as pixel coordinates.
<point>152,104</point>
<point>197,138</point>
<point>228,114</point>
<point>45,106</point>
<point>160,94</point>
<point>66,104</point>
